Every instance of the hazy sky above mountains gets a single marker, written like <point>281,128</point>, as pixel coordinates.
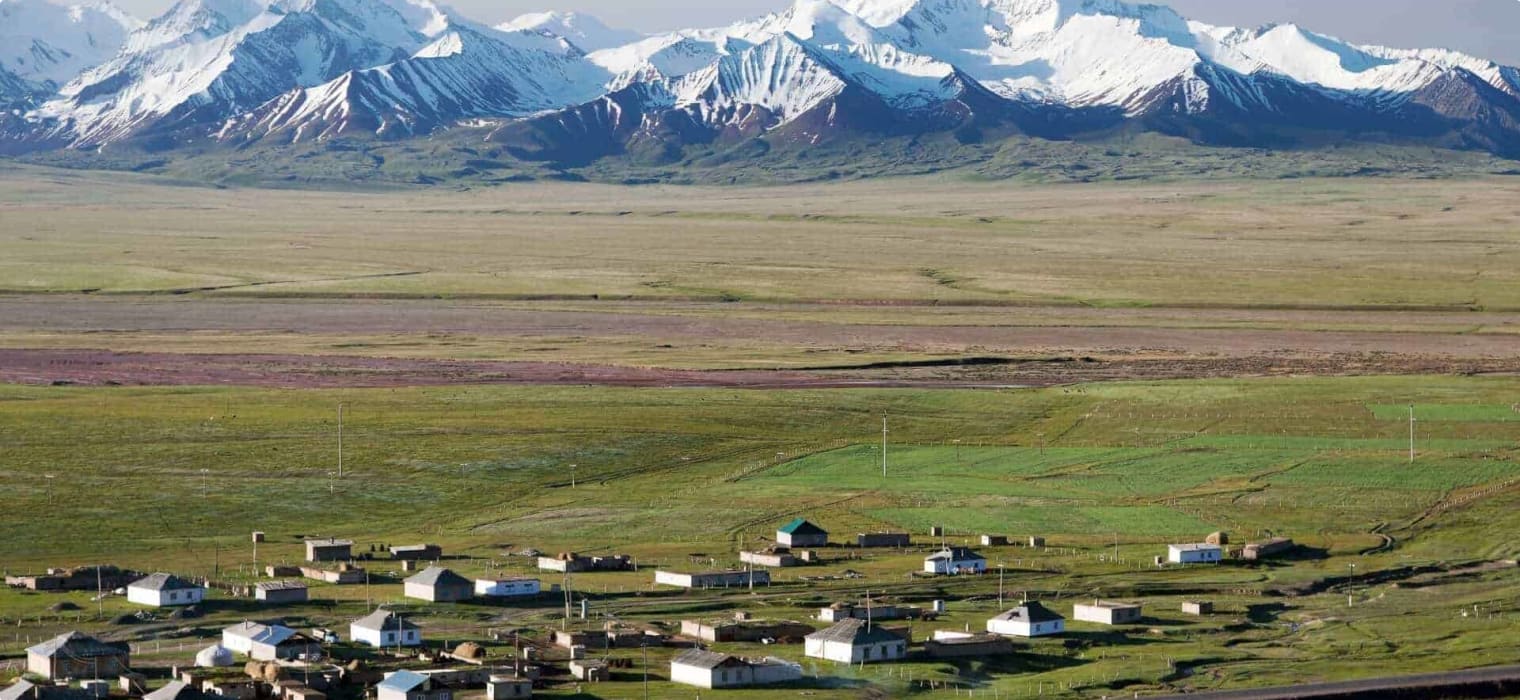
<point>1486,28</point>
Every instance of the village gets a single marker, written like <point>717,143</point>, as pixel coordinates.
<point>413,648</point>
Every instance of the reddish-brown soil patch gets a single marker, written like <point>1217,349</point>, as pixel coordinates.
<point>100,367</point>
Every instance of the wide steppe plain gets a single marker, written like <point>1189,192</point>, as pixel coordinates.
<point>1111,366</point>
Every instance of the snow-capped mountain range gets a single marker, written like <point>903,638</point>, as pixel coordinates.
<point>567,87</point>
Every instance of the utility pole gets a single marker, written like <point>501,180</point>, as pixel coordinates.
<point>883,447</point>
<point>100,594</point>
<point>48,479</point>
<point>1411,433</point>
<point>205,482</point>
<point>646,670</point>
<point>340,441</point>
<point>564,624</point>
<point>572,476</point>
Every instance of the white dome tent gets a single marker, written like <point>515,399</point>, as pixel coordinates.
<point>214,656</point>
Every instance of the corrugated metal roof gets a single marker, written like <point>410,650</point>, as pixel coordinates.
<point>172,691</point>
<point>17,690</point>
<point>76,644</point>
<point>263,634</point>
<point>329,542</point>
<point>403,681</point>
<point>701,658</point>
<point>163,582</point>
<point>384,620</point>
<point>281,586</point>
<point>801,526</point>
<point>854,631</point>
<point>439,576</point>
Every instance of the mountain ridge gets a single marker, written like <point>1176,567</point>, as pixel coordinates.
<point>237,72</point>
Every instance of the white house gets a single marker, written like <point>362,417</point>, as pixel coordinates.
<point>709,669</point>
<point>269,642</point>
<point>507,588</point>
<point>1028,620</point>
<point>383,628</point>
<point>1194,553</point>
<point>855,641</point>
<point>164,590</point>
<point>955,560</point>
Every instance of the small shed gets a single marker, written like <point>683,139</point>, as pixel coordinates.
<point>1197,607</point>
<point>994,540</point>
<point>508,688</point>
<point>591,670</point>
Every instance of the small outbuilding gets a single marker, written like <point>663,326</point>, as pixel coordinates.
<point>952,561</point>
<point>436,584</point>
<point>1197,607</point>
<point>508,688</point>
<point>855,641</point>
<point>164,590</point>
<point>1028,620</point>
<point>801,533</point>
<point>591,670</point>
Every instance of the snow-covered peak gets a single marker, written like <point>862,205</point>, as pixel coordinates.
<point>48,43</point>
<point>585,31</point>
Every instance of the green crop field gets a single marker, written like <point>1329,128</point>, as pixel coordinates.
<point>161,478</point>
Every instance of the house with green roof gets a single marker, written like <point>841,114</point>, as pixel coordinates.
<point>801,533</point>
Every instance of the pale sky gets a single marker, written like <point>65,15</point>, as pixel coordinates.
<point>1486,28</point>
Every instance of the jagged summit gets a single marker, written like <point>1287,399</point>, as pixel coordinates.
<point>240,70</point>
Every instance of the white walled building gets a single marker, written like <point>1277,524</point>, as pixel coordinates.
<point>1028,620</point>
<point>955,560</point>
<point>709,669</point>
<point>383,628</point>
<point>164,590</point>
<point>855,641</point>
<point>508,587</point>
<point>1194,553</point>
